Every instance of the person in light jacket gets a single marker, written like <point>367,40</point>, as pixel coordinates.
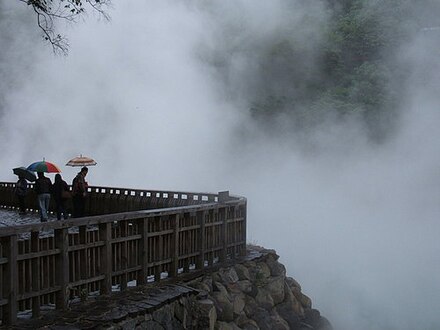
<point>43,188</point>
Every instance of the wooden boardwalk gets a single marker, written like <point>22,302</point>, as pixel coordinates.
<point>131,236</point>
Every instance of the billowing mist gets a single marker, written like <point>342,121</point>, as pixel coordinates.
<point>160,97</point>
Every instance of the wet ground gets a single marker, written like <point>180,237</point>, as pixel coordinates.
<point>12,218</point>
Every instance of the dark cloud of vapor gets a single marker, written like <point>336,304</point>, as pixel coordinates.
<point>160,97</point>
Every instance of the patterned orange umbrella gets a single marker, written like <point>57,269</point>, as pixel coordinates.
<point>81,161</point>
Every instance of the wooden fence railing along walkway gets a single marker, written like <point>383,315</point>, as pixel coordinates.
<point>131,237</point>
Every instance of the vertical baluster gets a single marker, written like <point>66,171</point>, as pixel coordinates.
<point>106,257</point>
<point>124,257</point>
<point>224,231</point>
<point>35,274</point>
<point>10,280</point>
<point>62,267</point>
<point>201,239</point>
<point>175,247</point>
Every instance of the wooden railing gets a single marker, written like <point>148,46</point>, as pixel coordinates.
<point>131,238</point>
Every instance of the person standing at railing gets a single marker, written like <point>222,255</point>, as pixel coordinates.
<point>43,188</point>
<point>79,193</point>
<point>21,192</point>
<point>60,194</point>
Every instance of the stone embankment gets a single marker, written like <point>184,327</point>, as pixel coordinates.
<point>252,294</point>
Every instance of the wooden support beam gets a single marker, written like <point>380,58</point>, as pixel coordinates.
<point>105,235</point>
<point>143,251</point>
<point>10,283</point>
<point>62,268</point>
<point>35,264</point>
<point>175,246</point>
<point>224,239</point>
<point>201,239</point>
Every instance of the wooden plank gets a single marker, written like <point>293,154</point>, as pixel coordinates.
<point>34,255</point>
<point>222,217</point>
<point>160,262</point>
<point>201,239</point>
<point>126,238</point>
<point>62,268</point>
<point>127,270</point>
<point>83,260</point>
<point>175,246</point>
<point>124,255</point>
<point>10,284</point>
<point>106,257</point>
<point>35,274</point>
<point>86,281</point>
<point>42,292</point>
<point>143,251</point>
<point>85,246</point>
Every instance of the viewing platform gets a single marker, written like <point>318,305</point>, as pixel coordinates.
<point>130,237</point>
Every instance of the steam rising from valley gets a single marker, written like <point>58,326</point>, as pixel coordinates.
<point>161,98</point>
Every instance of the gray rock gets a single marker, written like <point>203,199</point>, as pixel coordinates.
<point>163,316</point>
<point>228,275</point>
<point>226,326</point>
<point>287,312</point>
<point>245,286</point>
<point>238,303</point>
<point>276,269</point>
<point>264,299</point>
<point>293,283</point>
<point>242,272</point>
<point>206,314</point>
<point>224,307</point>
<point>275,286</point>
<point>150,325</point>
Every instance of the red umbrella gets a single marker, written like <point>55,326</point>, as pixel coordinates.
<point>81,161</point>
<point>44,166</point>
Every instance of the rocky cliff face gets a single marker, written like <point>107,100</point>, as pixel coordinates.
<point>256,294</point>
<point>251,294</point>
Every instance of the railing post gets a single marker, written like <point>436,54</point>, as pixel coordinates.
<point>62,267</point>
<point>175,247</point>
<point>143,246</point>
<point>235,232</point>
<point>35,274</point>
<point>11,280</point>
<point>201,239</point>
<point>105,235</point>
<point>83,252</point>
<point>124,256</point>
<point>223,218</point>
<point>244,215</point>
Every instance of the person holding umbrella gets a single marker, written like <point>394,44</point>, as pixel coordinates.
<point>43,187</point>
<point>79,192</point>
<point>21,192</point>
<point>21,186</point>
<point>79,184</point>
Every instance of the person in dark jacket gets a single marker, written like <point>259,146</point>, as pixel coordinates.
<point>60,189</point>
<point>79,192</point>
<point>21,192</point>
<point>43,187</point>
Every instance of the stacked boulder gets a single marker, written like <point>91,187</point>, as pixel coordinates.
<point>256,294</point>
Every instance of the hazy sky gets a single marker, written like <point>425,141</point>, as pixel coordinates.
<point>355,223</point>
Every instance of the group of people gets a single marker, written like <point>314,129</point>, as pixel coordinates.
<point>60,192</point>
